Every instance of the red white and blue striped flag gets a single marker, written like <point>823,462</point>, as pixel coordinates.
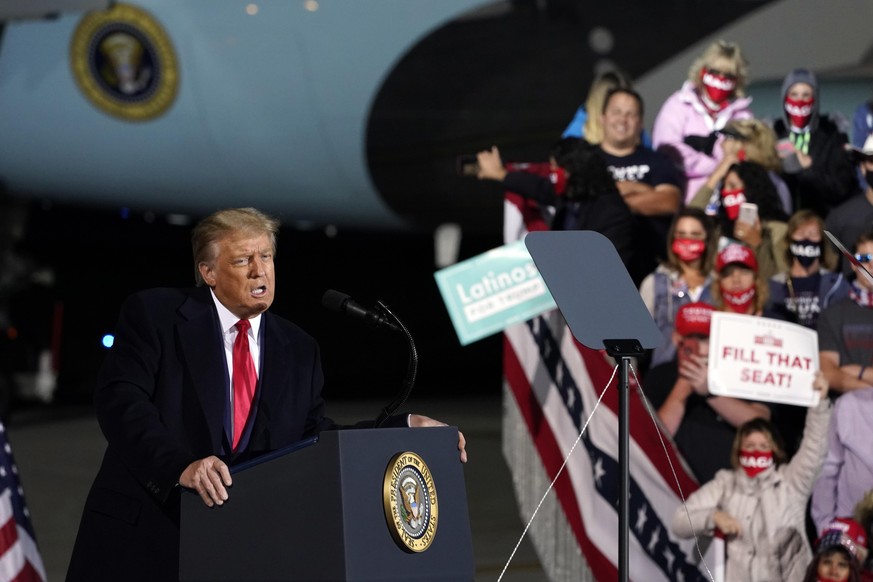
<point>551,384</point>
<point>19,556</point>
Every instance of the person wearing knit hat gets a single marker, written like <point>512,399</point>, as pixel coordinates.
<point>817,170</point>
<point>737,287</point>
<point>847,532</point>
<point>702,425</point>
<point>839,553</point>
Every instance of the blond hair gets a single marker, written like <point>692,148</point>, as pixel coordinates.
<point>209,231</point>
<point>759,142</point>
<point>596,100</point>
<point>829,257</point>
<point>721,49</point>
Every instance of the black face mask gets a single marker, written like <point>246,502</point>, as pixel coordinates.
<point>868,177</point>
<point>806,251</point>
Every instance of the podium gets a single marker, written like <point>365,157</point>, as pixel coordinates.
<point>317,513</point>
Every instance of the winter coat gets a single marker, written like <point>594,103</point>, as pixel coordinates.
<point>770,508</point>
<point>831,179</point>
<point>683,115</point>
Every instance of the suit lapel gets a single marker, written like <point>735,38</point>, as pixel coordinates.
<point>200,338</point>
<point>272,382</point>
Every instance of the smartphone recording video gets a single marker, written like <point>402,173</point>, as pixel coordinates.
<point>748,213</point>
<point>467,165</point>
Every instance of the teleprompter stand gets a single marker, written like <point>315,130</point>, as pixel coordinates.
<point>317,513</point>
<point>598,300</point>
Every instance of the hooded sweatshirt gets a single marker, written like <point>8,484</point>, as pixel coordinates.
<point>830,179</point>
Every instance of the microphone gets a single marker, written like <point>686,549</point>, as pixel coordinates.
<point>342,303</point>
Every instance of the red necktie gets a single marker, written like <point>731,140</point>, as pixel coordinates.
<point>244,379</point>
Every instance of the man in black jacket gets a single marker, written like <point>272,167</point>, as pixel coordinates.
<point>171,405</point>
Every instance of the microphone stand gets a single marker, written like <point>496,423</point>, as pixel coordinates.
<point>411,368</point>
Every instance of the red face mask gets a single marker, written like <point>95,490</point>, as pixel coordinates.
<point>688,249</point>
<point>719,88</point>
<point>799,111</point>
<point>738,301</point>
<point>731,200</point>
<point>753,462</point>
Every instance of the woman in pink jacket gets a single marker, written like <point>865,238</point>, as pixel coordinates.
<point>687,125</point>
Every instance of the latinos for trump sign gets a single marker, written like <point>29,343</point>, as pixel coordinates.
<point>757,358</point>
<point>488,293</point>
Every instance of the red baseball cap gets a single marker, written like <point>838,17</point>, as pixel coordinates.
<point>845,532</point>
<point>694,319</point>
<point>736,253</point>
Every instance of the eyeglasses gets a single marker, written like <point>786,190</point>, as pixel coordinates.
<point>865,258</point>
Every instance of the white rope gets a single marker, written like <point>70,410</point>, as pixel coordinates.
<point>558,474</point>
<point>672,469</point>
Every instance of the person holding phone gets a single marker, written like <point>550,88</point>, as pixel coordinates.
<point>702,425</point>
<point>579,193</point>
<point>749,140</point>
<point>761,226</point>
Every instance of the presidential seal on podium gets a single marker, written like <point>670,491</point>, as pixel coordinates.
<point>410,502</point>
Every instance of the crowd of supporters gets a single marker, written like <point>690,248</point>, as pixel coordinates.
<point>719,211</point>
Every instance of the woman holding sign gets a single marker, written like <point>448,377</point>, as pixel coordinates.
<point>760,505</point>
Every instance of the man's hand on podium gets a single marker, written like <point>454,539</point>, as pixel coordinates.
<point>209,477</point>
<point>419,421</point>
